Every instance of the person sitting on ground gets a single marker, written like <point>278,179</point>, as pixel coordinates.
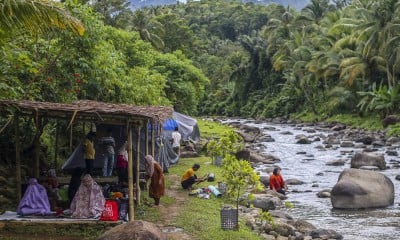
<point>157,183</point>
<point>189,177</point>
<point>51,185</point>
<point>89,199</point>
<point>276,181</point>
<point>34,201</point>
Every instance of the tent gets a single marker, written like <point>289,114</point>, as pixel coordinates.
<point>164,153</point>
<point>75,160</point>
<point>187,127</point>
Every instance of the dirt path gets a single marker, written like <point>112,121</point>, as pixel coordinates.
<point>171,212</point>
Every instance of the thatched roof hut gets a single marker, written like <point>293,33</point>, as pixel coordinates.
<point>86,111</point>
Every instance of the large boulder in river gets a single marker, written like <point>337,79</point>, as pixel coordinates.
<point>249,133</point>
<point>368,159</point>
<point>358,188</point>
<point>138,230</point>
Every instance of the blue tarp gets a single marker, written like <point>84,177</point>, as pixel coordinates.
<point>170,124</point>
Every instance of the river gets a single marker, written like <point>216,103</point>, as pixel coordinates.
<point>310,167</point>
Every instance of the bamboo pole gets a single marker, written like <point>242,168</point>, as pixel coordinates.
<point>37,148</point>
<point>146,138</point>
<point>130,174</point>
<point>152,138</point>
<point>70,138</point>
<point>17,158</point>
<point>56,148</point>
<point>37,156</point>
<point>138,166</point>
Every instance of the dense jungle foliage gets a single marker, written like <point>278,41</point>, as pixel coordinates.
<point>208,57</point>
<point>213,57</point>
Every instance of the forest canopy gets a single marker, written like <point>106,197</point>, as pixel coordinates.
<point>208,57</point>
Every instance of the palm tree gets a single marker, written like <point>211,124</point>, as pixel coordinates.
<point>377,25</point>
<point>315,11</point>
<point>35,15</point>
<point>149,29</point>
<point>279,27</point>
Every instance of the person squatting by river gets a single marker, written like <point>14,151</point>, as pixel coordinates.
<point>276,182</point>
<point>157,179</point>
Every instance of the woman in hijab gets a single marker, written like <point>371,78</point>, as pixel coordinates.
<point>35,200</point>
<point>157,183</point>
<point>89,200</point>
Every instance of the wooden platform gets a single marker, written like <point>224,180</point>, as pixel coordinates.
<point>56,229</point>
<point>64,180</point>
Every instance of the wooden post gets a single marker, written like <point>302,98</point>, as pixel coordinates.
<point>17,158</point>
<point>138,166</point>
<point>70,138</point>
<point>146,138</point>
<point>130,174</point>
<point>36,145</point>
<point>152,138</point>
<point>56,148</point>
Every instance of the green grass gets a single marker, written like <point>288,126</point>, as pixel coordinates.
<point>198,217</point>
<point>209,130</point>
<point>368,123</point>
<point>201,217</point>
<point>394,130</point>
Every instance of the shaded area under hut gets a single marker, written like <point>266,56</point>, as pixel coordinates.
<point>139,125</point>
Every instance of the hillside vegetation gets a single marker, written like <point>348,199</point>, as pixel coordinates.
<point>331,60</point>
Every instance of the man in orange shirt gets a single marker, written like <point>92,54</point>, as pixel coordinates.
<point>276,181</point>
<point>189,177</point>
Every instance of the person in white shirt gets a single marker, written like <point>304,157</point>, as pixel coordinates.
<point>176,140</point>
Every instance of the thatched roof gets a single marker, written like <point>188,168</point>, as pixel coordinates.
<point>87,110</point>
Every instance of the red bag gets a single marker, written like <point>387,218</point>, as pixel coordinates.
<point>110,212</point>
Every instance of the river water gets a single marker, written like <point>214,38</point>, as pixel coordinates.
<point>310,167</point>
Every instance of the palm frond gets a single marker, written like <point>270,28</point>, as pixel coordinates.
<point>34,15</point>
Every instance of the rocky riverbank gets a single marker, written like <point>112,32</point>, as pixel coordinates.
<point>338,136</point>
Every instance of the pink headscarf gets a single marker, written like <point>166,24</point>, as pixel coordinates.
<point>150,165</point>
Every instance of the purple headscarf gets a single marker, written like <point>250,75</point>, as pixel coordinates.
<point>34,201</point>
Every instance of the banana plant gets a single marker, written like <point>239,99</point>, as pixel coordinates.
<point>385,100</point>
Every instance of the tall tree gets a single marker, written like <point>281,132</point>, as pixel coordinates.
<point>149,28</point>
<point>115,12</point>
